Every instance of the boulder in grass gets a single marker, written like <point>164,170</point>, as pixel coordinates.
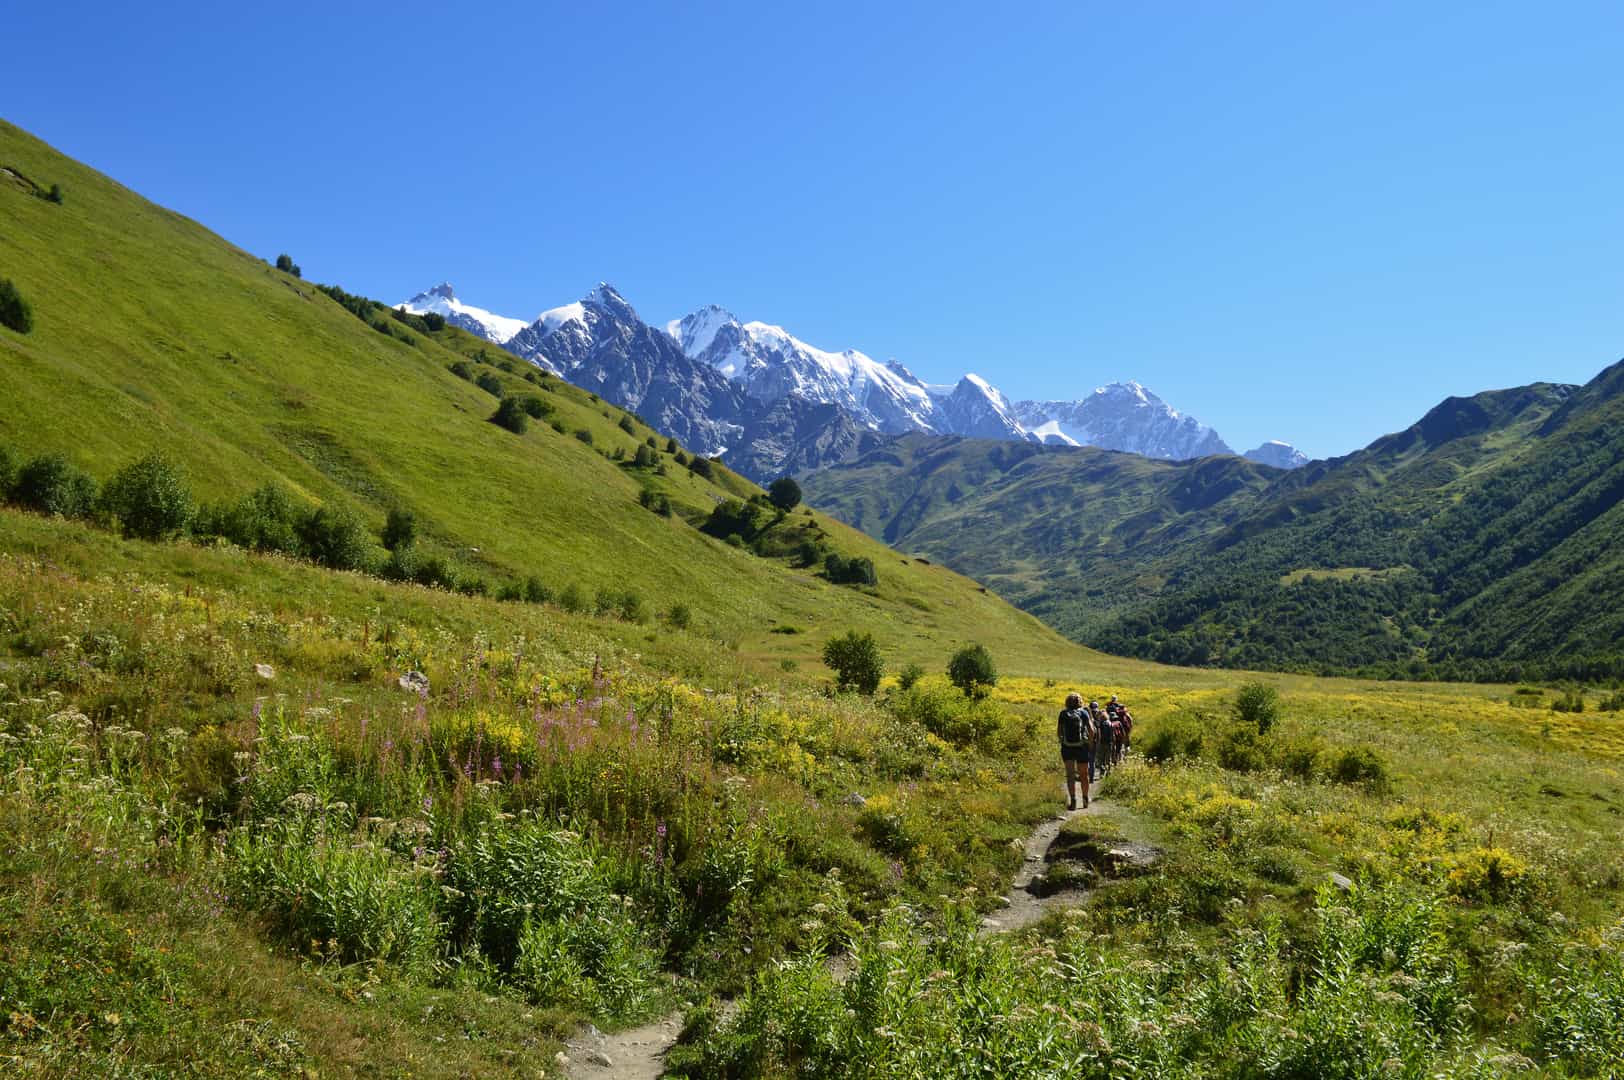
<point>265,671</point>
<point>415,682</point>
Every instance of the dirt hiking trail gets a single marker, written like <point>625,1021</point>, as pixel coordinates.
<point>1038,888</point>
<point>635,1054</point>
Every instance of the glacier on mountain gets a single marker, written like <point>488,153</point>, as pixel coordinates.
<point>442,300</point>
<point>1124,416</point>
<point>1281,455</point>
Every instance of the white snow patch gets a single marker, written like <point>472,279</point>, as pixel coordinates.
<point>499,328</point>
<point>554,318</point>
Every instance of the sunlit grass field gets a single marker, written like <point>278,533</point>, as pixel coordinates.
<point>584,818</point>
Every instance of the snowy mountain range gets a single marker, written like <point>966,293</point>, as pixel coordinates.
<point>774,404</point>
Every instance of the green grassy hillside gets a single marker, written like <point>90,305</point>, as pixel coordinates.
<point>1483,541</point>
<point>1068,533</point>
<point>151,333</point>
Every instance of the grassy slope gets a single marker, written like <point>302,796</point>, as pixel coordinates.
<point>1069,533</point>
<point>152,333</point>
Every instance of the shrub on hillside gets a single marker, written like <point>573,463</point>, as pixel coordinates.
<point>534,407</point>
<point>8,473</point>
<point>489,382</point>
<point>1571,700</point>
<point>433,571</point>
<point>855,660</point>
<point>285,263</point>
<point>1363,766</point>
<point>15,311</point>
<point>149,498</point>
<point>584,434</point>
<point>701,467</point>
<point>858,570</point>
<point>949,715</point>
<point>622,604</point>
<point>510,414</point>
<point>570,598</point>
<point>399,529</point>
<point>1258,705</point>
<point>645,458</point>
<point>535,592</point>
<point>679,616</point>
<point>264,520</point>
<point>908,676</point>
<point>401,565</point>
<point>627,426</point>
<point>51,484</point>
<point>972,670</point>
<point>55,194</point>
<point>334,538</point>
<point>1177,737</point>
<point>461,370</point>
<point>785,493</point>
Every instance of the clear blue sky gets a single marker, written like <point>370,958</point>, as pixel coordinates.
<point>1304,221</point>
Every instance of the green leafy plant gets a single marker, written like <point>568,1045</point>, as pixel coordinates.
<point>971,669</point>
<point>51,484</point>
<point>511,414</point>
<point>149,498</point>
<point>1257,705</point>
<point>855,659</point>
<point>15,311</point>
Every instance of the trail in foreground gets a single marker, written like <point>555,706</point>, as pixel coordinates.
<point>635,1054</point>
<point>639,1053</point>
<point>1025,905</point>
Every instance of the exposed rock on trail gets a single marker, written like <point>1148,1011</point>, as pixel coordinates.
<point>1057,869</point>
<point>635,1054</point>
<point>1025,906</point>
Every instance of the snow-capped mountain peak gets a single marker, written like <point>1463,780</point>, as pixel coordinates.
<point>695,332</point>
<point>553,318</point>
<point>442,300</point>
<point>1282,455</point>
<point>770,363</point>
<point>976,408</point>
<point>1122,416</point>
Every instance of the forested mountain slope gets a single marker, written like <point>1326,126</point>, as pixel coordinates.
<point>1486,540</point>
<point>152,333</point>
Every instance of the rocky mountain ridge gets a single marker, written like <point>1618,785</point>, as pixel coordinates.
<point>772,403</point>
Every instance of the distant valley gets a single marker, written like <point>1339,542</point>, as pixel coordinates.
<point>1483,541</point>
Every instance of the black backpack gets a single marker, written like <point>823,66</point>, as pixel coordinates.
<point>1076,728</point>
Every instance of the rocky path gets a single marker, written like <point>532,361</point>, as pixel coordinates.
<point>639,1054</point>
<point>1025,904</point>
<point>635,1054</point>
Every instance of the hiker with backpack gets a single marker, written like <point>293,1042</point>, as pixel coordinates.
<point>1103,740</point>
<point>1124,720</point>
<point>1077,732</point>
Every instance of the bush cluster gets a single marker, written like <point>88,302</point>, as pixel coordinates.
<point>856,570</point>
<point>150,499</point>
<point>15,312</point>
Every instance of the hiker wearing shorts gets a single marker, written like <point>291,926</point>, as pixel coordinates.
<point>1076,732</point>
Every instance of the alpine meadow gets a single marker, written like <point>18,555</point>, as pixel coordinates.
<point>376,701</point>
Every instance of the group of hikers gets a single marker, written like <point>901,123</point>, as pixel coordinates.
<point>1092,740</point>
